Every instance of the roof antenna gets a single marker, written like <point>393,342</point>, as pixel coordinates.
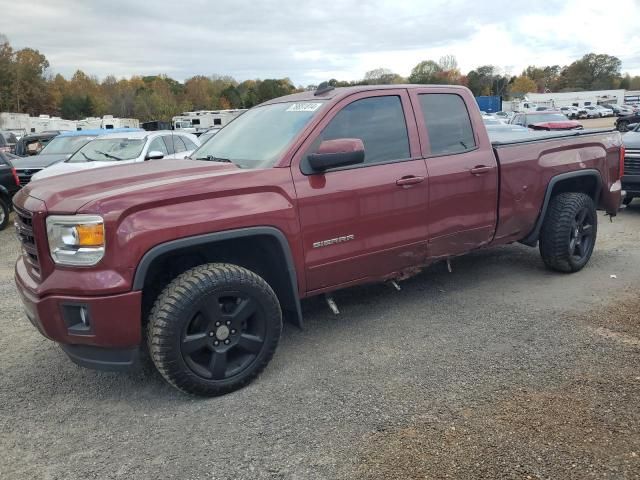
<point>323,88</point>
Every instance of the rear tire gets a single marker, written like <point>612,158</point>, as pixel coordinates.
<point>214,328</point>
<point>569,231</point>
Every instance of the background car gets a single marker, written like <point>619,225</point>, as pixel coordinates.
<point>33,143</point>
<point>9,185</point>
<point>545,120</point>
<point>624,110</point>
<point>631,178</point>
<point>8,141</point>
<point>57,150</point>
<point>604,111</point>
<point>572,112</point>
<point>123,148</point>
<point>623,123</point>
<point>490,120</point>
<point>593,112</point>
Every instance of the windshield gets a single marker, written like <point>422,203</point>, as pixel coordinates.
<point>65,145</point>
<point>257,138</point>
<point>206,136</point>
<point>547,117</point>
<point>109,150</point>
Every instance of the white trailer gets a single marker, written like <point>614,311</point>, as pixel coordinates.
<point>19,123</point>
<point>201,120</point>
<point>45,122</point>
<point>579,99</point>
<point>107,122</point>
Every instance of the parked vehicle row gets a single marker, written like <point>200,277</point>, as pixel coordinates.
<point>123,148</point>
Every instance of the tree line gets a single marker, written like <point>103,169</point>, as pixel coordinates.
<point>27,86</point>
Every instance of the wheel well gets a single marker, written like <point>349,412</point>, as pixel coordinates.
<point>588,184</point>
<point>262,254</point>
<point>587,181</point>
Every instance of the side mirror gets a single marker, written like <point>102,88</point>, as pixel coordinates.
<point>337,153</point>
<point>154,155</point>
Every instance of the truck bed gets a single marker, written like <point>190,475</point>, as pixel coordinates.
<point>529,162</point>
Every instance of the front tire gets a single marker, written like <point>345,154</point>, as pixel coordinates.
<point>626,201</point>
<point>4,214</point>
<point>623,126</point>
<point>569,232</point>
<point>214,328</point>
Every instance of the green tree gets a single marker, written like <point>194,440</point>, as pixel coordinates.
<point>592,72</point>
<point>523,85</point>
<point>425,72</point>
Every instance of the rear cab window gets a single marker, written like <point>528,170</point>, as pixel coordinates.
<point>447,122</point>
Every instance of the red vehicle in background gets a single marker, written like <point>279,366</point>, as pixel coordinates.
<point>546,120</point>
<point>199,261</point>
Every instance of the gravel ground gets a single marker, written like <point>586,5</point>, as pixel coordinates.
<point>500,369</point>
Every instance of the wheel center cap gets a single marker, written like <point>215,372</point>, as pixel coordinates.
<point>222,332</point>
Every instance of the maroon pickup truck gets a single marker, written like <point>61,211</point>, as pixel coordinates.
<point>199,262</point>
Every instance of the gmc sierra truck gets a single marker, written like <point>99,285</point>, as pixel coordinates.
<point>198,263</point>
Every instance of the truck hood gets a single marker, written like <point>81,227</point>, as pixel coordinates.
<point>567,125</point>
<point>126,184</point>
<point>40,161</point>
<point>631,140</point>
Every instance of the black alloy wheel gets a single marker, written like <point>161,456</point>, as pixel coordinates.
<point>214,328</point>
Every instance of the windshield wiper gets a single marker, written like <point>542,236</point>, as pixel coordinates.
<point>89,159</point>
<point>108,155</point>
<point>212,158</point>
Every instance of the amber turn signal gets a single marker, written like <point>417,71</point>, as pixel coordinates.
<point>91,235</point>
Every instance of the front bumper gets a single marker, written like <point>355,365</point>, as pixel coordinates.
<point>109,335</point>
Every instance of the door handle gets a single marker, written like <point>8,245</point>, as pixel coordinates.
<point>480,170</point>
<point>410,180</point>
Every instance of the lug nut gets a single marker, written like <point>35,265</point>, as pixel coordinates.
<point>226,342</point>
<point>217,324</point>
<point>216,343</point>
<point>211,334</point>
<point>233,331</point>
<point>228,322</point>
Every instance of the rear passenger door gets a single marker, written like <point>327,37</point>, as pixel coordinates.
<point>463,172</point>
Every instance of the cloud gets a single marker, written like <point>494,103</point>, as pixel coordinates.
<point>312,42</point>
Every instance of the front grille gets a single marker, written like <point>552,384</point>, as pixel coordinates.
<point>632,161</point>
<point>25,174</point>
<point>24,230</point>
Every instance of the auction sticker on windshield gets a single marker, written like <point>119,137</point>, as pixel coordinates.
<point>304,107</point>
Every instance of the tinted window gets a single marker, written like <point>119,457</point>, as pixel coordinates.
<point>217,121</point>
<point>189,143</point>
<point>157,145</point>
<point>448,123</point>
<point>178,144</point>
<point>378,121</point>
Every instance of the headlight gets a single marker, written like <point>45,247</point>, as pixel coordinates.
<point>76,239</point>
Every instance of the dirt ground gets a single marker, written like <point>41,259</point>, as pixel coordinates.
<point>500,369</point>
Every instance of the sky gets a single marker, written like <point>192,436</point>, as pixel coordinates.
<point>313,41</point>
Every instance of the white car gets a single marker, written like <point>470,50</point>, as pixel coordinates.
<point>593,111</point>
<point>604,111</point>
<point>572,112</point>
<point>123,148</point>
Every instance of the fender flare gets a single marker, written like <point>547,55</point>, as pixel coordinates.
<point>163,248</point>
<point>532,238</point>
